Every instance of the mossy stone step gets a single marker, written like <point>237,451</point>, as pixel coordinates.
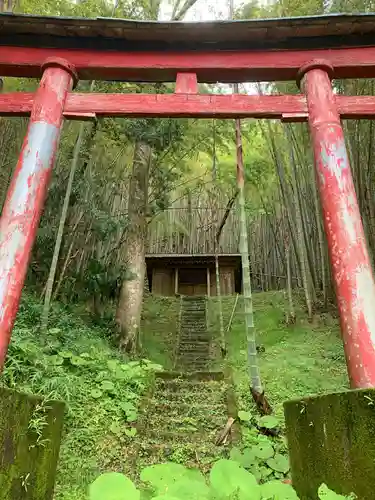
<point>188,383</point>
<point>189,410</point>
<point>183,436</point>
<point>190,455</point>
<point>199,375</point>
<point>185,396</point>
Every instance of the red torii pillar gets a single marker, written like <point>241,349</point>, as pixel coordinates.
<point>25,199</point>
<point>350,263</point>
<point>330,437</point>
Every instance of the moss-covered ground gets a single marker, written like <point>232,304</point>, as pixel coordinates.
<point>79,364</point>
<point>298,360</point>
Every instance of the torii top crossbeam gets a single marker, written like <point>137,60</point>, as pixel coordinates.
<point>311,50</point>
<point>224,51</point>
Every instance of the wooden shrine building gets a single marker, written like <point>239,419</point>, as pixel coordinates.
<point>181,252</point>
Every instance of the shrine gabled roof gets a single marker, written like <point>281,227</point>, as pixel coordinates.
<point>330,31</point>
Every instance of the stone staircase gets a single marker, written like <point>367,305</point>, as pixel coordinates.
<point>194,343</point>
<point>189,407</point>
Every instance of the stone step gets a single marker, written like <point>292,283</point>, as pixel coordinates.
<point>190,397</point>
<point>195,331</point>
<point>189,385</point>
<point>174,408</point>
<point>187,436</point>
<point>192,348</point>
<point>207,375</point>
<point>193,455</point>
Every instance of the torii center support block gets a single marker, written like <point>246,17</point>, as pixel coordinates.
<point>331,440</point>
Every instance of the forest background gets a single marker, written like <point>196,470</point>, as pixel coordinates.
<point>116,178</point>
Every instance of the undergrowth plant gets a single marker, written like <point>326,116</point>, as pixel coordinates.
<point>169,481</point>
<point>102,389</point>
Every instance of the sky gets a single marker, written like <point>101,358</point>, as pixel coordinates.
<point>203,10</point>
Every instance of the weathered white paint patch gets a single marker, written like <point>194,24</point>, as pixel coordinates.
<point>335,159</point>
<point>349,219</point>
<point>37,156</point>
<point>364,300</point>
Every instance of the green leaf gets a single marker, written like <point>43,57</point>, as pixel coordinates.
<point>236,455</point>
<point>194,475</point>
<point>115,428</point>
<point>248,458</point>
<point>56,360</point>
<point>325,493</point>
<point>85,355</point>
<point>187,489</point>
<point>77,361</point>
<point>276,490</point>
<point>228,477</point>
<point>127,406</point>
<point>165,497</point>
<point>279,463</point>
<point>113,364</point>
<point>244,416</point>
<point>162,476</point>
<point>131,416</point>
<point>107,385</point>
<point>96,393</point>
<point>264,451</point>
<point>269,422</point>
<point>65,354</point>
<point>54,331</point>
<point>131,432</point>
<point>113,486</point>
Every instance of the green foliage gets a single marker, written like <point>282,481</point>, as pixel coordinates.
<point>325,493</point>
<point>227,481</point>
<point>102,390</point>
<point>170,481</point>
<point>113,486</point>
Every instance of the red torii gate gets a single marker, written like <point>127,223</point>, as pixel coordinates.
<point>309,50</point>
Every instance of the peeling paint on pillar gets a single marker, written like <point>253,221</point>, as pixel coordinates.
<point>26,195</point>
<point>352,273</point>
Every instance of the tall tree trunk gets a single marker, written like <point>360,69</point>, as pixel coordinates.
<point>131,296</point>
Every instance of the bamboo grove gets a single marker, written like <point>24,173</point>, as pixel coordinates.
<point>122,188</point>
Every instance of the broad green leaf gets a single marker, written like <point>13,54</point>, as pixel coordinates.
<point>56,360</point>
<point>248,458</point>
<point>165,497</point>
<point>162,476</point>
<point>187,489</point>
<point>264,451</point>
<point>107,385</point>
<point>244,416</point>
<point>276,490</point>
<point>131,432</point>
<point>269,422</point>
<point>96,393</point>
<point>65,354</point>
<point>113,486</point>
<point>236,455</point>
<point>325,493</point>
<point>78,361</point>
<point>127,406</point>
<point>279,463</point>
<point>194,475</point>
<point>115,428</point>
<point>131,416</point>
<point>228,478</point>
<point>113,364</point>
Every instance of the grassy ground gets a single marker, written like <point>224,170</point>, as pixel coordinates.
<point>299,360</point>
